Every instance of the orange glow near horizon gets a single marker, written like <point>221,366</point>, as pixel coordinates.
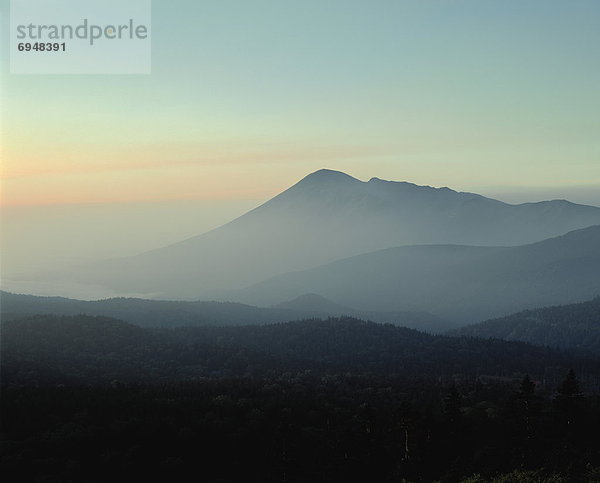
<point>160,172</point>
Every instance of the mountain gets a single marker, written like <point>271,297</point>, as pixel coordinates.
<point>573,326</point>
<point>462,283</point>
<point>169,313</point>
<point>326,216</point>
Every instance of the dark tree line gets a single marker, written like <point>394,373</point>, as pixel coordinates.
<point>84,349</point>
<point>94,399</point>
<point>298,427</point>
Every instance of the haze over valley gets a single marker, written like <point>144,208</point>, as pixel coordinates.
<point>371,248</point>
<point>325,217</point>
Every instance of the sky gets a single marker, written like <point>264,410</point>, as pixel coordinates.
<point>247,97</point>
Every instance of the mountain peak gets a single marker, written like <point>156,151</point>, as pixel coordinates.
<point>323,180</point>
<point>329,175</point>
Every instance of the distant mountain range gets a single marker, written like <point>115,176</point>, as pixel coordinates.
<point>166,313</point>
<point>328,216</point>
<point>573,326</point>
<point>461,283</point>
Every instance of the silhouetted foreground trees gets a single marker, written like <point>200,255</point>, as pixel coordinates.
<point>93,399</point>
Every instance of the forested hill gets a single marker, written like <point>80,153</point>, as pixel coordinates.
<point>346,343</point>
<point>573,326</point>
<point>173,313</point>
<point>144,312</point>
<point>84,349</point>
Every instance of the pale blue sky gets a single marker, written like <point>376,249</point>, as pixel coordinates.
<point>470,94</point>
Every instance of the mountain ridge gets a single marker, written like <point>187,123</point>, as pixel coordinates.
<point>460,283</point>
<point>172,313</point>
<point>570,326</point>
